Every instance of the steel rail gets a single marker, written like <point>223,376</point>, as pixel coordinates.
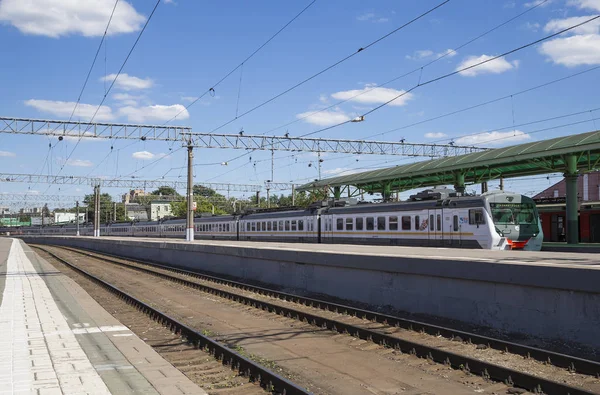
<point>472,365</point>
<point>244,366</point>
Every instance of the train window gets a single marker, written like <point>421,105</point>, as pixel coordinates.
<point>431,219</point>
<point>294,226</point>
<point>370,223</point>
<point>264,226</point>
<point>380,223</point>
<point>281,226</point>
<point>254,226</point>
<point>287,225</point>
<point>439,222</point>
<point>269,226</point>
<point>220,227</point>
<point>340,224</point>
<point>359,223</point>
<point>349,223</point>
<point>301,224</point>
<point>406,222</point>
<point>417,223</point>
<point>455,223</point>
<point>275,225</point>
<point>476,216</point>
<point>393,223</point>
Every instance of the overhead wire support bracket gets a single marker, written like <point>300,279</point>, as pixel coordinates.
<point>86,130</point>
<point>362,147</point>
<point>122,183</point>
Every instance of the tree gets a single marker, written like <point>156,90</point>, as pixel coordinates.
<point>201,190</point>
<point>203,205</point>
<point>106,208</point>
<point>46,210</point>
<point>164,191</point>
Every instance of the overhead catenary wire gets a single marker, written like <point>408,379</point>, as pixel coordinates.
<point>112,83</point>
<point>212,88</point>
<point>313,76</point>
<point>447,53</point>
<point>455,72</point>
<point>435,118</point>
<point>420,68</point>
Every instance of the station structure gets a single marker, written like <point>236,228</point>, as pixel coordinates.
<point>572,155</point>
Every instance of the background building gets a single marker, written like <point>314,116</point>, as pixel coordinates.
<point>551,203</point>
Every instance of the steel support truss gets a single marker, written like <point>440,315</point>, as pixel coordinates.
<point>121,183</point>
<point>82,130</point>
<point>299,144</point>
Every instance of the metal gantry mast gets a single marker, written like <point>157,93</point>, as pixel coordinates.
<point>113,131</point>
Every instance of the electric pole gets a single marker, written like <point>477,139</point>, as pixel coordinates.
<point>77,216</point>
<point>114,211</point>
<point>189,236</point>
<point>97,211</point>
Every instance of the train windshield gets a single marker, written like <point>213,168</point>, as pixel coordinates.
<point>514,213</point>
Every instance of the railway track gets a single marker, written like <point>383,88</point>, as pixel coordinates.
<point>255,372</point>
<point>306,312</point>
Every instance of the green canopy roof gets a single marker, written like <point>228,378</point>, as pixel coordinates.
<point>539,157</point>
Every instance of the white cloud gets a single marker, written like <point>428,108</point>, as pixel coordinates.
<point>534,27</point>
<point>436,135</point>
<point>556,25</point>
<point>449,53</point>
<point>496,66</point>
<point>64,109</point>
<point>374,95</point>
<point>494,138</point>
<point>586,4</point>
<point>154,113</point>
<point>125,99</point>
<point>573,51</point>
<point>366,17</point>
<point>427,53</point>
<point>382,20</point>
<point>536,2</point>
<point>79,163</point>
<point>7,154</point>
<point>324,118</point>
<point>55,18</point>
<point>128,82</point>
<point>420,54</point>
<point>146,155</point>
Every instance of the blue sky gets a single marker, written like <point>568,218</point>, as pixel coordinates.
<point>48,46</point>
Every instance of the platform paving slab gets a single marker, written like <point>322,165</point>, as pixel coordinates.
<point>60,340</point>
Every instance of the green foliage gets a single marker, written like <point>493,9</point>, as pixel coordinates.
<point>164,191</point>
<point>106,208</point>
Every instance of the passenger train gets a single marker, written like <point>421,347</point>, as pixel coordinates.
<point>438,218</point>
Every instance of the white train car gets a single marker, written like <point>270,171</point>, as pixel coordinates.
<point>435,218</point>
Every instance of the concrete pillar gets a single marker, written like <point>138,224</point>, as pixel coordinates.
<point>571,176</point>
<point>484,187</point>
<point>337,193</point>
<point>387,192</point>
<point>459,182</point>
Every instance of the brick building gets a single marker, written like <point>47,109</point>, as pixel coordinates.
<point>588,188</point>
<point>551,204</point>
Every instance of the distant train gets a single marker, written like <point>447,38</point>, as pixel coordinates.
<point>436,218</point>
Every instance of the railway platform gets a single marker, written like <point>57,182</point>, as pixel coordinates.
<point>57,340</point>
<point>545,297</point>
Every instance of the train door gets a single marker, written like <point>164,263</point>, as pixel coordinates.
<point>327,228</point>
<point>436,227</point>
<point>453,226</point>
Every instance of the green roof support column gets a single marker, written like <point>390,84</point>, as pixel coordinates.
<point>386,193</point>
<point>337,192</point>
<point>571,176</point>
<point>459,182</point>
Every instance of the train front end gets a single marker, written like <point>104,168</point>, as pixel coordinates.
<point>516,221</point>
